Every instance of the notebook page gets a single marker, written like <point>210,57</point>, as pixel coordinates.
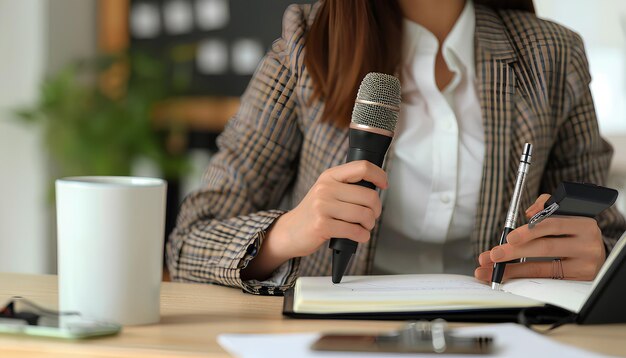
<point>400,293</point>
<point>567,294</point>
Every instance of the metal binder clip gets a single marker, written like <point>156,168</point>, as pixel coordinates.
<point>542,215</point>
<point>438,332</point>
<point>422,332</point>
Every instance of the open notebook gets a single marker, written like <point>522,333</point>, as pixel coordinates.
<point>415,296</point>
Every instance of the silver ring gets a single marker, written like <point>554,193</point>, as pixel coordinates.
<point>557,269</point>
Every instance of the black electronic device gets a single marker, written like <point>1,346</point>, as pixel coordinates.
<point>582,199</point>
<point>576,199</point>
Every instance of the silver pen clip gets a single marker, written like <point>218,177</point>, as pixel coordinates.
<point>542,215</point>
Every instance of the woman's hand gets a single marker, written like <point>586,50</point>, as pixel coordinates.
<point>576,240</point>
<point>333,207</point>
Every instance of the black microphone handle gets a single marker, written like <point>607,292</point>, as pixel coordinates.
<point>363,146</point>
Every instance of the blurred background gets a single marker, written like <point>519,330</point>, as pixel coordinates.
<point>143,87</point>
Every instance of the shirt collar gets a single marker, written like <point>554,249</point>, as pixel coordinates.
<point>458,47</point>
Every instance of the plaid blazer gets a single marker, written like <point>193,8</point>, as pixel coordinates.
<point>533,85</point>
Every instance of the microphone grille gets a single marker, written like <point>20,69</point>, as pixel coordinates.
<point>378,101</point>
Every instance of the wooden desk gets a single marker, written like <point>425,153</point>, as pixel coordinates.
<point>193,316</point>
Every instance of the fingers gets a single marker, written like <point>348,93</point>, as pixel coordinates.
<point>571,237</point>
<point>543,247</point>
<point>335,208</point>
<point>359,195</point>
<point>352,213</point>
<point>342,229</point>
<point>537,206</point>
<point>553,226</point>
<point>333,186</point>
<point>354,172</point>
<point>572,270</point>
<point>484,259</point>
<point>577,240</point>
<point>333,193</point>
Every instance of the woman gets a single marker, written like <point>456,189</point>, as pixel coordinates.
<point>278,188</point>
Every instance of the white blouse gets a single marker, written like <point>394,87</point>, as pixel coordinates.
<point>437,157</point>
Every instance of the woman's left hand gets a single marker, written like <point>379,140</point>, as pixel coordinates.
<point>576,240</point>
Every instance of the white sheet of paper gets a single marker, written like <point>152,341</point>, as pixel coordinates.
<point>511,340</point>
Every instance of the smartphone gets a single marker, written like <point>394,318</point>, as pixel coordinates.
<point>23,317</point>
<point>68,329</point>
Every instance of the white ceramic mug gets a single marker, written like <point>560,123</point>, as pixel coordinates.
<point>110,233</point>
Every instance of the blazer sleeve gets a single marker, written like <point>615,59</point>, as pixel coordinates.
<point>579,152</point>
<point>221,226</point>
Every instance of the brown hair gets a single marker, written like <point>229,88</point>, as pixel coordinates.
<point>350,38</point>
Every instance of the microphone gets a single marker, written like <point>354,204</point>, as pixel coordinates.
<point>374,119</point>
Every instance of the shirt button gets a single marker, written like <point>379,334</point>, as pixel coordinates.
<point>447,125</point>
<point>445,198</point>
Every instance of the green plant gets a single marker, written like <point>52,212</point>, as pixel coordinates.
<point>94,128</point>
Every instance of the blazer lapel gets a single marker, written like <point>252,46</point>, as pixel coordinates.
<point>495,85</point>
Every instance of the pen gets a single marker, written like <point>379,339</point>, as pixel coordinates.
<point>511,216</point>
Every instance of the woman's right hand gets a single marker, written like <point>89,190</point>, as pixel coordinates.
<point>333,207</point>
